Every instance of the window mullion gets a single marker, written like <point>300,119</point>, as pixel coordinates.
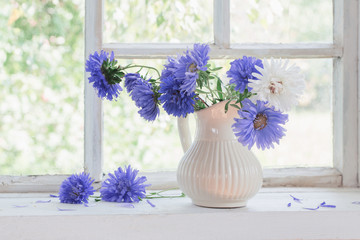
<point>163,50</point>
<point>93,105</point>
<point>345,91</point>
<point>222,23</point>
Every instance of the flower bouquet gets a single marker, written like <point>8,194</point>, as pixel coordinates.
<point>260,90</point>
<point>216,170</point>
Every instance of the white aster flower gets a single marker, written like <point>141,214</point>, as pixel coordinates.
<point>279,85</point>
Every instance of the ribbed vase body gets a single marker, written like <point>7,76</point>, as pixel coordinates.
<point>217,171</point>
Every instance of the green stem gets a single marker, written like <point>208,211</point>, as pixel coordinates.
<point>161,196</point>
<point>211,91</point>
<point>143,66</point>
<point>92,196</point>
<point>202,101</point>
<point>158,194</point>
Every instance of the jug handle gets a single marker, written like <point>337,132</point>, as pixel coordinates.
<point>184,133</point>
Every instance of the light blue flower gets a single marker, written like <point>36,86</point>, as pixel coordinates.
<point>259,124</point>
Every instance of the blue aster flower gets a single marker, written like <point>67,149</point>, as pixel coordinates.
<point>169,68</point>
<point>145,99</point>
<point>188,66</point>
<point>76,189</point>
<point>175,101</point>
<point>106,88</point>
<point>131,80</point>
<point>259,124</point>
<point>241,71</point>
<point>123,186</point>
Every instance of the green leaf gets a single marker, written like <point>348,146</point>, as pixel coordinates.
<point>219,88</point>
<point>227,106</point>
<point>215,69</point>
<point>236,106</point>
<point>201,91</point>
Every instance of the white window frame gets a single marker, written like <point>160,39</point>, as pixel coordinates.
<point>344,50</point>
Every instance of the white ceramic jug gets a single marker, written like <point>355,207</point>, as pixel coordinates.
<point>216,170</point>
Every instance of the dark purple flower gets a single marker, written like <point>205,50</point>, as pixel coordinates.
<point>259,124</point>
<point>123,186</point>
<point>187,67</point>
<point>169,68</point>
<point>76,189</point>
<point>145,99</point>
<point>106,88</point>
<point>175,101</point>
<point>241,71</point>
<point>131,80</point>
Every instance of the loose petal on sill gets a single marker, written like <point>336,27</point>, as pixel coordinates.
<point>20,206</point>
<point>52,195</point>
<point>289,204</point>
<point>356,202</point>
<point>328,206</point>
<point>295,199</point>
<point>150,203</point>
<point>65,209</point>
<point>126,205</point>
<point>89,205</point>
<point>323,204</point>
<point>43,201</point>
<point>311,208</point>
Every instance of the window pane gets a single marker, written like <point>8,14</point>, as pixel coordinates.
<point>158,21</point>
<point>41,87</point>
<point>281,21</point>
<point>129,139</point>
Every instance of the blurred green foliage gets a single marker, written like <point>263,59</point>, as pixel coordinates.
<point>175,21</point>
<point>41,87</point>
